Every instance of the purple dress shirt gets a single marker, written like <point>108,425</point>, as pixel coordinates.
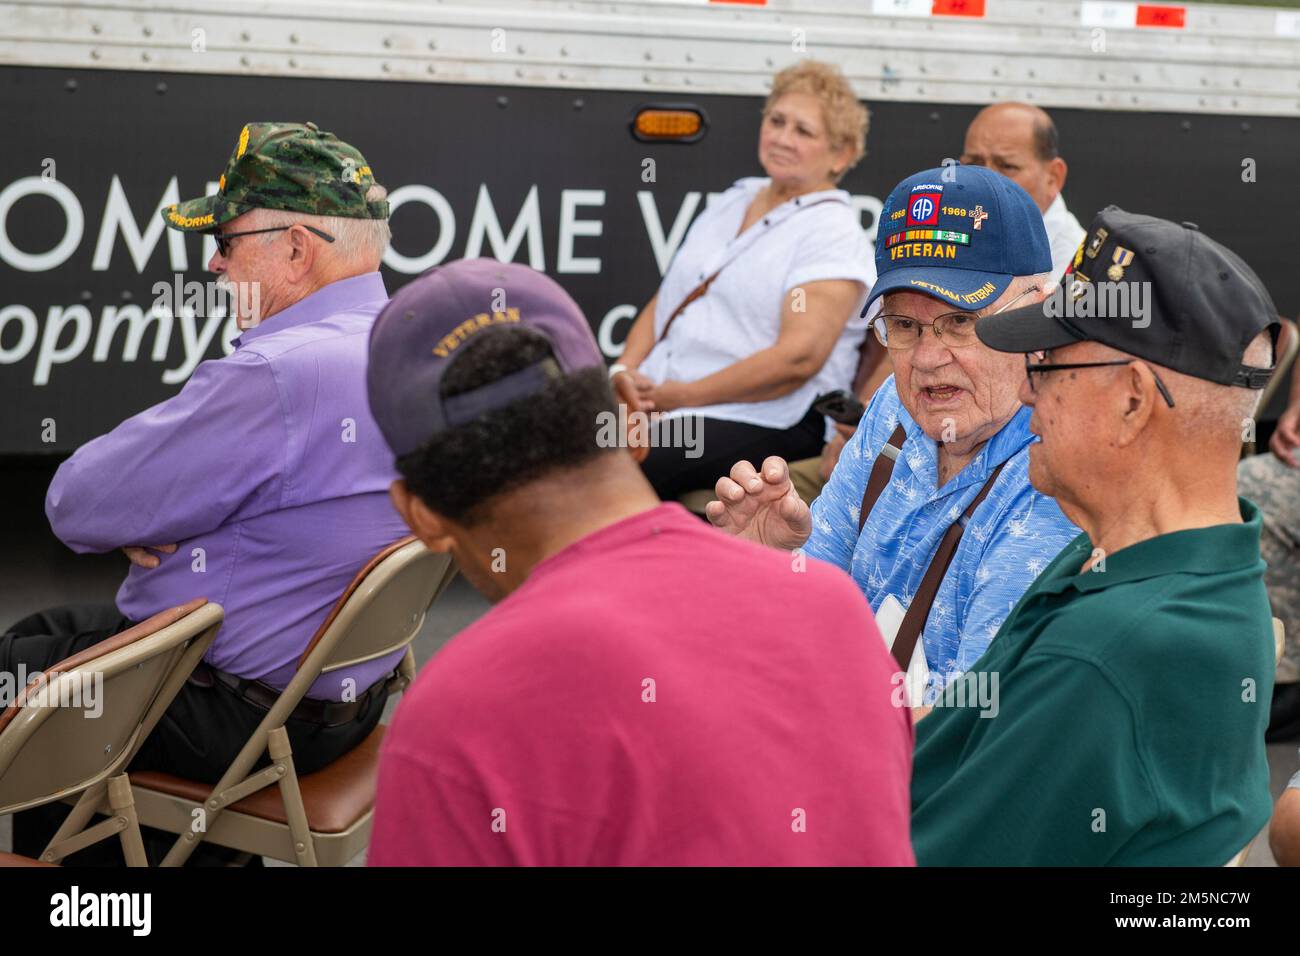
<point>269,474</point>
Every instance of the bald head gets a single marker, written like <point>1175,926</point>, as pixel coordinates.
<point>1020,142</point>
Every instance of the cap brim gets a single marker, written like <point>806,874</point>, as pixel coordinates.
<point>961,288</point>
<point>1027,329</point>
<point>203,214</point>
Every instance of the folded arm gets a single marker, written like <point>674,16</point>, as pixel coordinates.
<point>177,469</point>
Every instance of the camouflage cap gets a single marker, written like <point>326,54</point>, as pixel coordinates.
<point>291,166</point>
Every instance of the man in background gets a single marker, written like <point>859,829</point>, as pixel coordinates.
<point>1020,142</point>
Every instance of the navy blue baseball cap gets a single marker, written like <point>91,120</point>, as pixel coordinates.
<point>422,332</point>
<point>959,234</point>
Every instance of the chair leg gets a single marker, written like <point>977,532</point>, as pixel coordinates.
<point>123,804</point>
<point>281,753</point>
<point>80,814</point>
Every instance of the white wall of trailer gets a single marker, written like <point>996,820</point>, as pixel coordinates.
<point>1065,53</point>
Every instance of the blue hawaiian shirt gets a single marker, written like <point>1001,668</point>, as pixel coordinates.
<point>1012,536</point>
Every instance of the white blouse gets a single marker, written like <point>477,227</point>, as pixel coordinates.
<point>794,244</point>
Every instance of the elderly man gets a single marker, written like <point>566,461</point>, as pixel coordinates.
<point>943,446</point>
<point>263,484</point>
<point>1135,672</point>
<point>1020,142</point>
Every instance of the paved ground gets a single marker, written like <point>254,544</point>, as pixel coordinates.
<point>37,571</point>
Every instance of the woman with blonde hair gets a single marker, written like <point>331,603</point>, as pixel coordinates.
<point>759,310</point>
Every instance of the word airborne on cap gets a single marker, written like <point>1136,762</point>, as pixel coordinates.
<point>294,167</point>
<point>423,330</point>
<point>959,234</point>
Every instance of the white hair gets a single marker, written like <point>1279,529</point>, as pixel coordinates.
<point>363,241</point>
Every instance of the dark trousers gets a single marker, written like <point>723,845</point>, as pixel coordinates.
<point>198,737</point>
<point>724,443</point>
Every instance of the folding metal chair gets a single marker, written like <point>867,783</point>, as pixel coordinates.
<point>322,818</point>
<point>52,749</point>
<point>1288,346</point>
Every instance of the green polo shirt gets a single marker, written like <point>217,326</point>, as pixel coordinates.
<point>1125,715</point>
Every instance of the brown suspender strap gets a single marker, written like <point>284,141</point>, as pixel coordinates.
<point>880,472</point>
<point>919,609</point>
<point>914,620</point>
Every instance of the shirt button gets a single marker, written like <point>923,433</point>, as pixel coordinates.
<point>767,222</point>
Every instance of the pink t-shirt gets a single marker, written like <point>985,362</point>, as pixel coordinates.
<point>658,693</point>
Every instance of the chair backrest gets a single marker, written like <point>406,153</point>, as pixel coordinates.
<point>83,719</point>
<point>1288,345</point>
<point>380,612</point>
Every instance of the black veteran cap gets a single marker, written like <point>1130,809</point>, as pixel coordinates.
<point>296,167</point>
<point>1162,291</point>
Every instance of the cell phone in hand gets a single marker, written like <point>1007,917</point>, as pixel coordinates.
<point>839,406</point>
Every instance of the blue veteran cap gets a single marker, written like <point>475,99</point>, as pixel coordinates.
<point>959,234</point>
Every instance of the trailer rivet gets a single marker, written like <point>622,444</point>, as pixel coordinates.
<point>934,117</point>
<point>245,36</point>
<point>564,51</point>
<point>85,295</point>
<point>94,54</point>
<point>1245,127</point>
<point>388,43</point>
<point>520,49</point>
<point>503,102</point>
<point>648,55</point>
<point>293,64</point>
<point>126,295</point>
<point>96,28</point>
<point>148,32</point>
<point>563,75</point>
<point>70,86</point>
<point>433,44</point>
<point>578,104</point>
<point>432,68</point>
<point>293,38</point>
<point>1187,124</point>
<point>244,61</point>
<point>161,89</point>
<point>145,56</point>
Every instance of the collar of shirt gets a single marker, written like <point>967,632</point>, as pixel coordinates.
<point>747,190</point>
<point>339,296</point>
<point>921,452</point>
<point>1213,550</point>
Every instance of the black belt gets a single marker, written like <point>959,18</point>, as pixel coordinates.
<point>329,713</point>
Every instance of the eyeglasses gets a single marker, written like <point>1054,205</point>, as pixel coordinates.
<point>223,238</point>
<point>1039,367</point>
<point>956,330</point>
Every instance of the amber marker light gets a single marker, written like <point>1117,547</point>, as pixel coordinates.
<point>669,124</point>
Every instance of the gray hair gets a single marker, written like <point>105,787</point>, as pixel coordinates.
<point>363,241</point>
<point>1208,408</point>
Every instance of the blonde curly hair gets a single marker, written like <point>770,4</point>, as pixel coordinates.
<point>845,117</point>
